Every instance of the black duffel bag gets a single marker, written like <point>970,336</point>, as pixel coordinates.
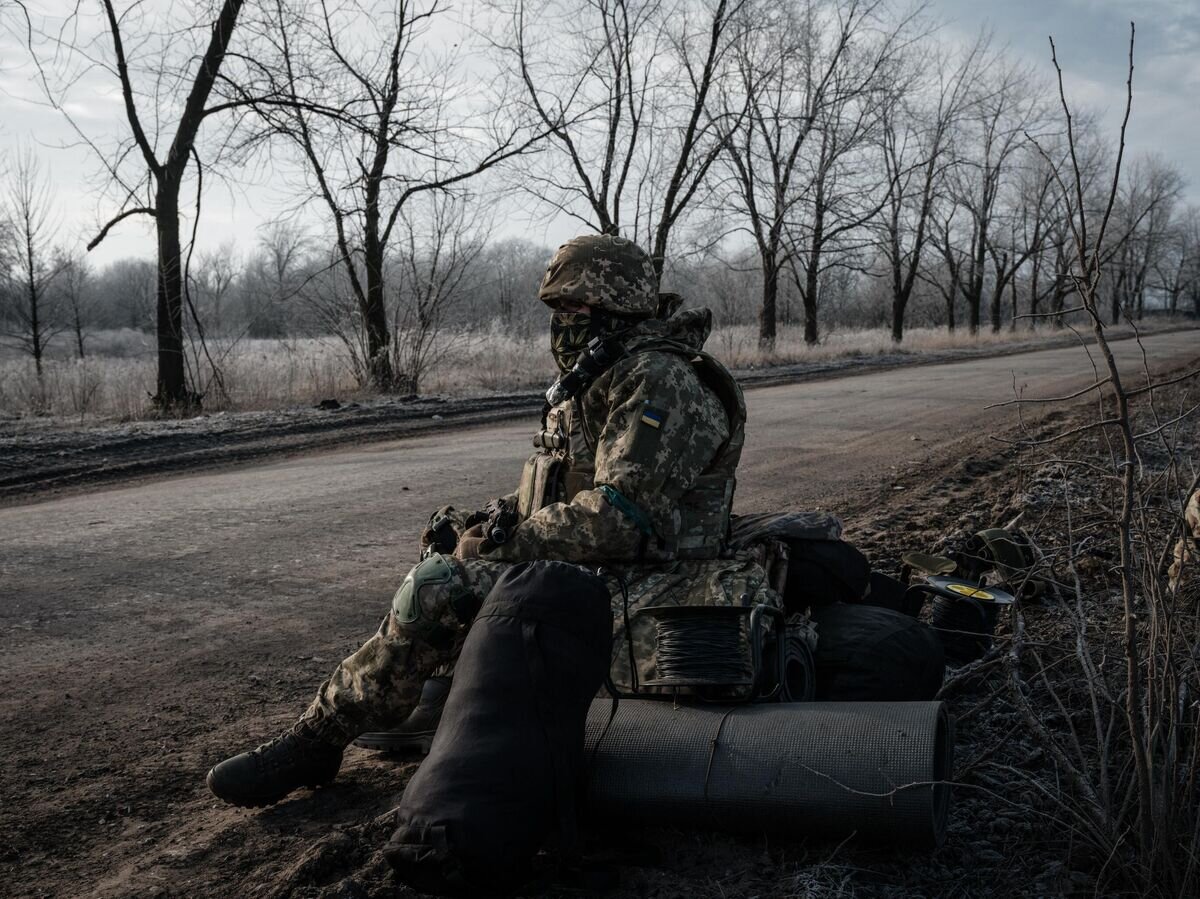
<point>872,654</point>
<point>821,572</point>
<point>501,776</point>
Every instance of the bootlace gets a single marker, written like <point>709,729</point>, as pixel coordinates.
<point>278,753</point>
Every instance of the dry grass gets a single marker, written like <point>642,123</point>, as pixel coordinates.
<point>116,380</point>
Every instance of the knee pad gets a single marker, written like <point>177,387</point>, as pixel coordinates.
<point>433,604</point>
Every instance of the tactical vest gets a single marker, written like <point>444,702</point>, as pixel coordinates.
<point>564,465</point>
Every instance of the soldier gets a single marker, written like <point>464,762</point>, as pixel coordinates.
<point>1187,550</point>
<point>634,470</point>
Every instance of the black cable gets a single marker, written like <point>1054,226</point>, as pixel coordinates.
<point>702,649</point>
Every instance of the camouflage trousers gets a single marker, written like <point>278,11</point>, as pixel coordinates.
<point>377,686</point>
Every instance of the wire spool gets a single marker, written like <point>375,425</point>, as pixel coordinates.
<point>964,615</point>
<point>701,646</point>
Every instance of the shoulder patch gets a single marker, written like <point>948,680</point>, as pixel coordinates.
<point>654,418</point>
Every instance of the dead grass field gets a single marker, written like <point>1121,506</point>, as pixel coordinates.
<point>116,379</point>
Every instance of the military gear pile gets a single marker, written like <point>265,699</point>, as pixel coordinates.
<point>263,776</point>
<point>605,272</point>
<point>502,774</point>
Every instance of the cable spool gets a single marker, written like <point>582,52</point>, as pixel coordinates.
<point>702,646</point>
<point>964,615</point>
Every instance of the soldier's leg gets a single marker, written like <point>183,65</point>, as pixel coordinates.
<point>377,685</point>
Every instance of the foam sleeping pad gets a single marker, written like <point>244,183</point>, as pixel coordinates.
<point>877,770</point>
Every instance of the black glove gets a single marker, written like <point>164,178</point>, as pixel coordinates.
<point>502,520</point>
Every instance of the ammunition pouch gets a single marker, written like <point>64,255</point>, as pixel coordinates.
<point>542,483</point>
<point>433,603</point>
<point>699,527</point>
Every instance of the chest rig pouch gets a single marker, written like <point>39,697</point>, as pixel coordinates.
<point>543,480</point>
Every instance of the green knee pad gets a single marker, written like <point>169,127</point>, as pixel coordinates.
<point>433,603</point>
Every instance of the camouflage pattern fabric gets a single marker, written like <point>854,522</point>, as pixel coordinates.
<point>649,429</point>
<point>604,271</point>
<point>750,529</point>
<point>377,686</point>
<point>1187,550</point>
<point>706,582</point>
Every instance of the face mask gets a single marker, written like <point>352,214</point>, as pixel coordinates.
<point>569,336</point>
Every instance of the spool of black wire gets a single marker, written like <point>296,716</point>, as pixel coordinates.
<point>700,646</point>
<point>964,614</point>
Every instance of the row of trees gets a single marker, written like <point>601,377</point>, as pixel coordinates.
<point>827,150</point>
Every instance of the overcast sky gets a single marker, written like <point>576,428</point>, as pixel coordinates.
<point>1092,38</point>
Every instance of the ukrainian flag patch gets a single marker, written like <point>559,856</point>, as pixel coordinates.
<point>654,418</point>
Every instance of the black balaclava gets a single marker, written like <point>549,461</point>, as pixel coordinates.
<point>570,333</point>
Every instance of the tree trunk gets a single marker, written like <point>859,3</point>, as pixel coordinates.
<point>172,394</point>
<point>812,285</point>
<point>379,360</point>
<point>1012,287</point>
<point>35,322</point>
<point>899,302</point>
<point>1116,297</point>
<point>1034,282</point>
<point>78,334</point>
<point>766,315</point>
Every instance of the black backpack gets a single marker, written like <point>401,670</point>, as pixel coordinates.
<point>821,572</point>
<point>501,775</point>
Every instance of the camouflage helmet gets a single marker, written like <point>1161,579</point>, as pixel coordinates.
<point>605,272</point>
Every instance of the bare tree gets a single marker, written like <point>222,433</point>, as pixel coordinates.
<point>1144,213</point>
<point>844,188</point>
<point>622,88</point>
<point>1006,106</point>
<point>440,239</point>
<point>156,189</point>
<point>374,126</point>
<point>1132,790</point>
<point>214,275</point>
<point>917,148</point>
<point>510,272</point>
<point>802,60</point>
<point>73,286</point>
<point>28,208</point>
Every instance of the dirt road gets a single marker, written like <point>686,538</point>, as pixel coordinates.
<point>146,632</point>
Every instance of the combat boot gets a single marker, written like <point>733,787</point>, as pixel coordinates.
<point>418,729</point>
<point>263,776</point>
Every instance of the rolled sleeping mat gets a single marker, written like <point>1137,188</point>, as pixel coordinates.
<point>878,770</point>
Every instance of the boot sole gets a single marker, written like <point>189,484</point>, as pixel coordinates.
<point>258,801</point>
<point>387,742</point>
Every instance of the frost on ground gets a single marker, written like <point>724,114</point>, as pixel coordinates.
<point>116,380</point>
<point>48,453</point>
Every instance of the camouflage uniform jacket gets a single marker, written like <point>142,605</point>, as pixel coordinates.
<point>630,467</point>
<point>647,467</point>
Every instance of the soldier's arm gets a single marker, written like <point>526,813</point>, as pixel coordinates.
<point>661,431</point>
